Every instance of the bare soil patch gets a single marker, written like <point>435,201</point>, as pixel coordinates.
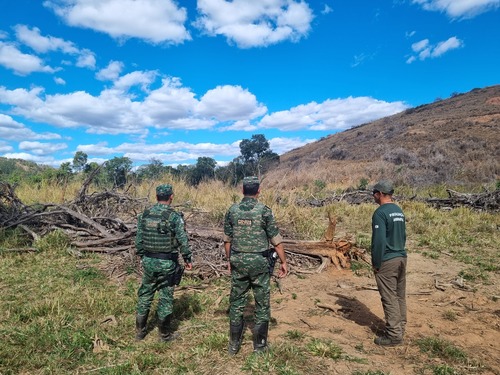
<point>468,318</point>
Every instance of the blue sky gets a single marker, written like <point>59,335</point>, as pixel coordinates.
<point>178,80</point>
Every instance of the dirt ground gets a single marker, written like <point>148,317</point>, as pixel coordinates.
<point>468,317</point>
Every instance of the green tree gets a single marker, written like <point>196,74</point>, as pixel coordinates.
<point>153,170</point>
<point>257,155</point>
<point>64,172</point>
<point>117,170</point>
<point>203,170</point>
<point>80,161</point>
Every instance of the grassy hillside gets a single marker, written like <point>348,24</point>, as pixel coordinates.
<point>452,141</point>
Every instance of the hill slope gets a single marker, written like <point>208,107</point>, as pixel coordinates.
<point>449,141</point>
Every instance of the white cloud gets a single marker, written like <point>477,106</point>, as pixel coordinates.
<point>43,44</point>
<point>326,9</point>
<point>59,81</point>
<point>155,21</point>
<point>226,103</point>
<point>86,59</point>
<point>332,114</point>
<point>244,125</point>
<point>111,72</point>
<point>425,50</point>
<point>21,63</point>
<point>459,8</point>
<point>5,147</point>
<point>41,148</point>
<point>15,131</point>
<point>281,145</point>
<point>167,151</point>
<point>447,45</point>
<point>419,46</point>
<point>39,159</point>
<point>255,23</point>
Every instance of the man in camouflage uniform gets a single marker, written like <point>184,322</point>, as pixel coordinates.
<point>249,226</point>
<point>160,236</point>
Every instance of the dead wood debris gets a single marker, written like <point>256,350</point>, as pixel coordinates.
<point>487,201</point>
<point>105,222</point>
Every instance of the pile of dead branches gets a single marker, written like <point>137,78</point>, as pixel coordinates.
<point>92,222</point>
<point>105,222</point>
<point>488,201</point>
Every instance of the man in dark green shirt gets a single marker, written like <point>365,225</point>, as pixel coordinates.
<point>389,262</point>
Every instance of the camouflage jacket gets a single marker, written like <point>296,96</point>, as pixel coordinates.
<point>250,226</point>
<point>161,229</point>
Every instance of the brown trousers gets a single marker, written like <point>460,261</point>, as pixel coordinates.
<point>391,282</point>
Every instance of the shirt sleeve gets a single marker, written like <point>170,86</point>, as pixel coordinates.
<point>139,244</point>
<point>271,228</point>
<point>181,235</point>
<point>228,227</point>
<point>379,239</point>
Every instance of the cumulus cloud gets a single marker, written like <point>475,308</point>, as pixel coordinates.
<point>281,145</point>
<point>5,147</point>
<point>332,114</point>
<point>21,63</point>
<point>41,148</point>
<point>123,110</point>
<point>15,131</point>
<point>230,103</point>
<point>155,21</point>
<point>167,151</point>
<point>425,50</point>
<point>32,38</point>
<point>459,8</point>
<point>255,23</point>
<point>111,72</point>
<point>39,159</point>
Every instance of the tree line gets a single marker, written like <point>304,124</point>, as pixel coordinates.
<point>256,157</point>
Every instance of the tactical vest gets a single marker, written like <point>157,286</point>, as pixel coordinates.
<point>249,235</point>
<point>158,233</point>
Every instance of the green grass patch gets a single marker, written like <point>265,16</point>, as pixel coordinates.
<point>440,348</point>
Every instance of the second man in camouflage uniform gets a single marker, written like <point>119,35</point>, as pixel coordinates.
<point>249,227</point>
<point>161,235</point>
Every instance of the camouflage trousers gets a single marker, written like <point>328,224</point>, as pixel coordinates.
<point>156,277</point>
<point>249,271</point>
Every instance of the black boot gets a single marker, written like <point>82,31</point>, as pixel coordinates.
<point>164,329</point>
<point>260,337</point>
<point>140,326</point>
<point>235,336</point>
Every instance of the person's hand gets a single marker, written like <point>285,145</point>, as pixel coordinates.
<point>283,270</point>
<point>189,266</point>
<point>229,266</point>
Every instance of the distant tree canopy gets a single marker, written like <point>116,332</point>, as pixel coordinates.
<point>256,158</point>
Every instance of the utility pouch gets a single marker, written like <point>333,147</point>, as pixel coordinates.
<point>177,276</point>
<point>272,257</point>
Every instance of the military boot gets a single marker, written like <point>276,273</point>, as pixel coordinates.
<point>260,337</point>
<point>165,330</point>
<point>235,336</point>
<point>140,326</point>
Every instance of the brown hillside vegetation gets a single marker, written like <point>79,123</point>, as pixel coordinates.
<point>449,141</point>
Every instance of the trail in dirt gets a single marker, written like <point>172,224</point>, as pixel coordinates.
<point>353,315</point>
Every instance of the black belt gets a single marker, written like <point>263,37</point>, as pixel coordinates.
<point>264,253</point>
<point>167,256</point>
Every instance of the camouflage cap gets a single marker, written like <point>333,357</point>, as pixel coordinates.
<point>384,186</point>
<point>165,189</point>
<point>250,181</point>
